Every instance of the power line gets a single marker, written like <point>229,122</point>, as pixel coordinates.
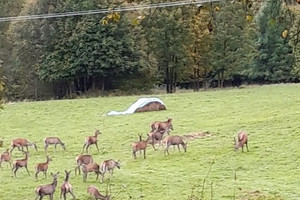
<point>101,11</point>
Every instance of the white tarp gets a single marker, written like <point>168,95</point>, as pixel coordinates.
<point>141,102</point>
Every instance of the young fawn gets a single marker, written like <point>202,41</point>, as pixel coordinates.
<point>20,163</point>
<point>92,190</point>
<point>242,140</point>
<point>91,167</point>
<point>22,142</point>
<point>53,141</point>
<point>158,126</point>
<point>156,137</point>
<point>5,157</point>
<point>42,167</point>
<point>140,146</point>
<point>108,165</point>
<point>91,140</point>
<point>49,189</point>
<point>174,140</point>
<point>66,187</point>
<point>82,159</point>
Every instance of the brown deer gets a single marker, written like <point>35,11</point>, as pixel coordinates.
<point>108,165</point>
<point>91,167</point>
<point>242,140</point>
<point>66,187</point>
<point>42,167</point>
<point>21,163</point>
<point>83,159</point>
<point>91,140</point>
<point>53,141</point>
<point>92,190</point>
<point>49,189</point>
<point>22,142</point>
<point>140,146</point>
<point>174,140</point>
<point>165,126</point>
<point>5,157</point>
<point>156,137</point>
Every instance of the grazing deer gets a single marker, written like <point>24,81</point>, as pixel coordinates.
<point>156,136</point>
<point>242,140</point>
<point>109,165</point>
<point>53,141</point>
<point>140,146</point>
<point>42,167</point>
<point>22,142</point>
<point>92,190</point>
<point>158,126</point>
<point>66,187</point>
<point>5,157</point>
<point>20,163</point>
<point>83,159</point>
<point>174,140</point>
<point>92,167</point>
<point>49,189</point>
<point>91,140</point>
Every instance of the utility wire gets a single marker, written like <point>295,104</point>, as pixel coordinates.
<point>101,11</point>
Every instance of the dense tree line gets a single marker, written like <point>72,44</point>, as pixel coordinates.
<point>219,44</point>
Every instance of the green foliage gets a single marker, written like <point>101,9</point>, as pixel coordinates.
<point>275,58</point>
<point>268,113</point>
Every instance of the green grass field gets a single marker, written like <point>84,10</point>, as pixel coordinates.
<point>270,114</point>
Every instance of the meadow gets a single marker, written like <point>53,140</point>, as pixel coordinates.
<point>210,169</point>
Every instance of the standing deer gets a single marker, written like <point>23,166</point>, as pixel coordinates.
<point>22,142</point>
<point>42,167</point>
<point>91,140</point>
<point>109,165</point>
<point>140,146</point>
<point>174,140</point>
<point>92,167</point>
<point>156,136</point>
<point>92,190</point>
<point>53,141</point>
<point>5,157</point>
<point>158,126</point>
<point>242,140</point>
<point>66,187</point>
<point>82,159</point>
<point>21,163</point>
<point>49,189</point>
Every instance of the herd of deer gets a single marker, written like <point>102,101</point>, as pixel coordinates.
<point>157,135</point>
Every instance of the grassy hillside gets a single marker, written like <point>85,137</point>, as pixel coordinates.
<point>270,115</point>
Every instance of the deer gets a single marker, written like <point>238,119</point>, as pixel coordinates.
<point>140,146</point>
<point>174,140</point>
<point>49,189</point>
<point>91,140</point>
<point>91,167</point>
<point>5,157</point>
<point>66,187</point>
<point>108,165</point>
<point>22,142</point>
<point>242,140</point>
<point>92,190</point>
<point>82,159</point>
<point>159,126</point>
<point>53,141</point>
<point>156,136</point>
<point>21,163</point>
<point>42,167</point>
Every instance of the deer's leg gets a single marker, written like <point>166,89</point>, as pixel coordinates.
<point>71,192</point>
<point>0,163</point>
<point>166,149</point>
<point>15,171</point>
<point>178,147</point>
<point>45,147</point>
<point>51,196</point>
<point>13,147</point>
<point>97,173</point>
<point>83,147</point>
<point>134,155</point>
<point>27,170</point>
<point>97,146</point>
<point>87,148</point>
<point>36,174</point>
<point>26,148</point>
<point>55,146</point>
<point>247,146</point>
<point>65,195</point>
<point>45,174</point>
<point>144,153</point>
<point>153,145</point>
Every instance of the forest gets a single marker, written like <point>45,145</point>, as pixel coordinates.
<point>196,46</point>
